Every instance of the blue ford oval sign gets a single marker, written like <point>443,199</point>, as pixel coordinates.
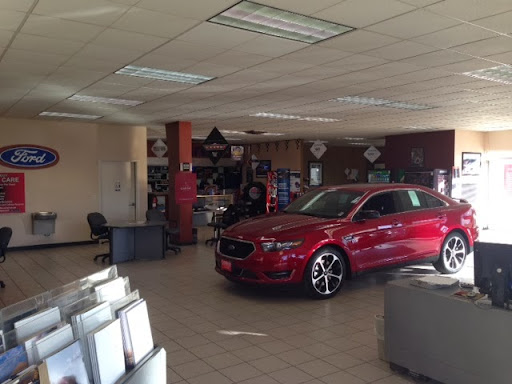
<point>28,156</point>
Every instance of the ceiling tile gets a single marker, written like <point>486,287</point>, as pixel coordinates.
<point>460,34</point>
<point>466,66</point>
<point>438,58</point>
<point>361,13</point>
<point>100,12</point>
<point>186,8</point>
<point>501,23</point>
<point>5,37</point>
<point>356,62</point>
<point>358,41</point>
<point>26,67</point>
<point>213,70</point>
<point>60,29</point>
<point>10,20</point>
<point>40,58</point>
<point>217,35</point>
<point>127,2</point>
<point>241,59</point>
<point>420,3</point>
<point>116,38</point>
<point>170,63</point>
<point>187,50</point>
<point>413,24</point>
<point>392,69</point>
<point>302,7</point>
<point>486,47</point>
<point>470,10</point>
<point>503,58</point>
<point>109,54</point>
<point>400,50</point>
<point>86,63</point>
<point>109,90</point>
<point>153,23</point>
<point>316,55</point>
<point>46,45</point>
<point>270,46</point>
<point>16,5</point>
<point>281,66</point>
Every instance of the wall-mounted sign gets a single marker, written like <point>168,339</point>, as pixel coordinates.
<point>237,151</point>
<point>28,156</point>
<point>12,193</point>
<point>318,149</point>
<point>159,148</point>
<point>372,154</point>
<point>215,145</point>
<point>185,188</point>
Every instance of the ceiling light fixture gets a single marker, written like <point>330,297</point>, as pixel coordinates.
<point>501,74</point>
<point>161,74</point>
<point>228,132</point>
<point>294,117</point>
<point>418,128</point>
<point>105,100</point>
<point>381,103</point>
<point>277,22</point>
<point>359,143</point>
<point>355,138</point>
<point>272,134</point>
<point>70,115</point>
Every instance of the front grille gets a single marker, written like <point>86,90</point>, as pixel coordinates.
<point>235,248</point>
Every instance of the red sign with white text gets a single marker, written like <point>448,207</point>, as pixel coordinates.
<point>186,188</point>
<point>12,193</point>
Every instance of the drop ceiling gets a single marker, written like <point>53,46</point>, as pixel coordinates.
<point>409,51</point>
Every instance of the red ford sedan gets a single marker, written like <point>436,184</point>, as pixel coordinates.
<point>334,233</point>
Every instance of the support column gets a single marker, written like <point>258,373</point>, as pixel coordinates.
<point>179,144</point>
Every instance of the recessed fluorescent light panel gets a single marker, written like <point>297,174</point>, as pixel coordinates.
<point>276,22</point>
<point>272,134</point>
<point>501,74</point>
<point>381,103</point>
<point>104,100</point>
<point>227,132</point>
<point>160,74</point>
<point>355,138</point>
<point>70,115</point>
<point>294,117</point>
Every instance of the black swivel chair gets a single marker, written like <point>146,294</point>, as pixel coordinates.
<point>157,215</point>
<point>5,237</point>
<point>98,231</point>
<point>229,217</point>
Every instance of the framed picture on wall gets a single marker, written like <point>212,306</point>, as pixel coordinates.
<point>263,167</point>
<point>316,173</point>
<point>471,163</point>
<point>417,157</point>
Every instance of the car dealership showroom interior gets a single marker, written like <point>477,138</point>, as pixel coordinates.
<point>256,192</point>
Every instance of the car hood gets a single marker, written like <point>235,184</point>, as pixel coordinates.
<point>279,225</point>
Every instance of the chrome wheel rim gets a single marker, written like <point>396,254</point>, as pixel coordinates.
<point>327,273</point>
<point>454,253</point>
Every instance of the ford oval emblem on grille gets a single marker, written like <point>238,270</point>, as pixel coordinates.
<point>231,247</point>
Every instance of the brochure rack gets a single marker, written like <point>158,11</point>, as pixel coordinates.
<point>37,333</point>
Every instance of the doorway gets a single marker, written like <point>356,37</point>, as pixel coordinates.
<point>118,190</point>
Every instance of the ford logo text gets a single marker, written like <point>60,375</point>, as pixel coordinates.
<point>28,156</point>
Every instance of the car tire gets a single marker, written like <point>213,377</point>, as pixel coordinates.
<point>325,273</point>
<point>453,254</point>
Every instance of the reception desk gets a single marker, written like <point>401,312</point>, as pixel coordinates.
<point>131,240</point>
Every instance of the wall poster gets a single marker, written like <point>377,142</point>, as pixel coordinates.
<point>186,188</point>
<point>12,193</point>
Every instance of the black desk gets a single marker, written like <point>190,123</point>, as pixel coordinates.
<point>131,240</point>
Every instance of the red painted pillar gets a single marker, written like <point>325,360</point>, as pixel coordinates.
<point>179,144</point>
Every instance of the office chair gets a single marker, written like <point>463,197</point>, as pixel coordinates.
<point>5,237</point>
<point>229,217</point>
<point>98,231</point>
<point>157,215</point>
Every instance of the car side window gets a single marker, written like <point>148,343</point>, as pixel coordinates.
<point>383,203</point>
<point>411,200</point>
<point>433,202</point>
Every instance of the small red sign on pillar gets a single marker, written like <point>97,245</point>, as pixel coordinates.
<point>12,193</point>
<point>186,188</point>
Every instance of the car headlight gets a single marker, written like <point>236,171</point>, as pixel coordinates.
<point>275,246</point>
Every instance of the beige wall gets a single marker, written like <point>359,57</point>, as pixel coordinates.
<point>71,188</point>
<point>335,160</point>
<point>468,141</point>
<point>500,143</point>
<point>280,156</point>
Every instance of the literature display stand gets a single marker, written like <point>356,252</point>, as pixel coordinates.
<point>94,330</point>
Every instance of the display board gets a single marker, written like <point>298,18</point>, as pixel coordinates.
<point>12,193</point>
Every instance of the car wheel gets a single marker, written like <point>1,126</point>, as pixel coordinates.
<point>325,273</point>
<point>453,254</point>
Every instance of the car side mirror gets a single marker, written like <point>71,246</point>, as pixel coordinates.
<point>366,215</point>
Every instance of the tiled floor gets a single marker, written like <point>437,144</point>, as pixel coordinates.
<point>218,332</point>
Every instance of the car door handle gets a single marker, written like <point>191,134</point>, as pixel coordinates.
<point>441,216</point>
<point>396,223</point>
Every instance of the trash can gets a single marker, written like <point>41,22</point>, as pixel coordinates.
<point>43,223</point>
<point>379,332</point>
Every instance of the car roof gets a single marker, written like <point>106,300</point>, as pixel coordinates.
<point>367,187</point>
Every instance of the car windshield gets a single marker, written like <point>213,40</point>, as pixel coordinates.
<point>328,203</point>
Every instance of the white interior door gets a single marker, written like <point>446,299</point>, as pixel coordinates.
<point>117,183</point>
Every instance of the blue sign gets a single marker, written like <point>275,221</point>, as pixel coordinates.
<point>28,156</point>
<point>283,188</point>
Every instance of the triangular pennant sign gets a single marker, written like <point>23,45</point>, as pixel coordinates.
<point>215,145</point>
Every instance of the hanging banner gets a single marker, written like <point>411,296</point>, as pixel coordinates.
<point>372,154</point>
<point>185,188</point>
<point>318,149</point>
<point>294,185</point>
<point>215,145</point>
<point>159,148</point>
<point>272,191</point>
<point>237,152</point>
<point>283,187</point>
<point>12,193</point>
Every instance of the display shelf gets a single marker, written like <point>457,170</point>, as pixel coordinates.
<point>158,178</point>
